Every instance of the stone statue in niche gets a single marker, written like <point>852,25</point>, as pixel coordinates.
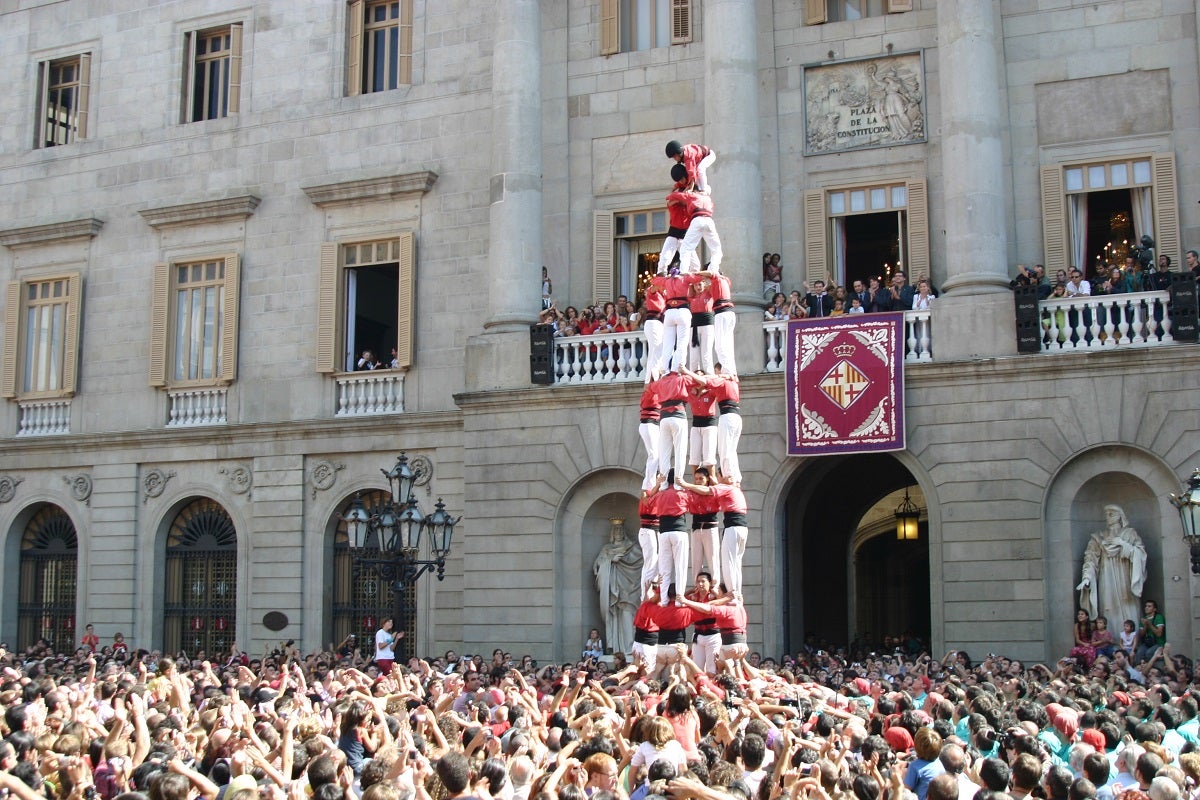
<point>1114,571</point>
<point>618,571</point>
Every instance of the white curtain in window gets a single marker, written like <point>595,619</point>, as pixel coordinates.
<point>351,354</point>
<point>1143,212</point>
<point>1077,206</point>
<point>627,257</point>
<point>839,250</point>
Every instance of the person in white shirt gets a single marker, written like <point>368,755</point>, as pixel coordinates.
<point>1077,286</point>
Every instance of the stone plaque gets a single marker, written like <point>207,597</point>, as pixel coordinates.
<point>867,102</point>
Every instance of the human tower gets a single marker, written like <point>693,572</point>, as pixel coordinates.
<point>689,315</point>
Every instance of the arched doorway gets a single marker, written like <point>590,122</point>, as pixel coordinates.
<point>200,593</point>
<point>360,605</point>
<point>49,563</point>
<point>847,578</point>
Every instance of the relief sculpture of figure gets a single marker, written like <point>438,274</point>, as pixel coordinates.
<point>618,571</point>
<point>1114,570</point>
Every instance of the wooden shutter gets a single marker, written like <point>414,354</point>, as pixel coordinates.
<point>815,12</point>
<point>235,67</point>
<point>896,6</point>
<point>681,21</point>
<point>918,230</point>
<point>327,316</point>
<point>354,51</point>
<point>610,29</point>
<point>405,303</point>
<point>43,98</point>
<point>602,256</point>
<point>406,42</point>
<point>1054,220</point>
<point>815,225</point>
<point>12,330</point>
<point>229,319</point>
<point>71,334</point>
<point>85,96</point>
<point>160,298</point>
<point>189,84</point>
<point>1166,209</point>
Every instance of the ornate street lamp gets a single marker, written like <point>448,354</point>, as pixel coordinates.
<point>397,524</point>
<point>1188,504</point>
<point>908,516</point>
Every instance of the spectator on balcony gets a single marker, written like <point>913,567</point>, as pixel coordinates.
<point>856,306</point>
<point>923,299</point>
<point>1077,285</point>
<point>879,298</point>
<point>1193,263</point>
<point>797,306</point>
<point>1113,282</point>
<point>547,289</point>
<point>1135,275</point>
<point>1160,279</point>
<point>859,290</point>
<point>839,308</point>
<point>366,361</point>
<point>778,308</point>
<point>820,302</point>
<point>772,274</point>
<point>900,294</point>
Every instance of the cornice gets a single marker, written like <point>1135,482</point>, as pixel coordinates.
<point>203,212</point>
<point>51,232</point>
<point>379,187</point>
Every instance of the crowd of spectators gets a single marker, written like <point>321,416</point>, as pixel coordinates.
<point>816,725</point>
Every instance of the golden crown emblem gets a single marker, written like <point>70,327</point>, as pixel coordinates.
<point>844,350</point>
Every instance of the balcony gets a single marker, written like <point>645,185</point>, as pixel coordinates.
<point>44,417</point>
<point>1140,319</point>
<point>368,394</point>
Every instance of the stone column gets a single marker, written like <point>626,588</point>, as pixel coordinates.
<point>976,316</point>
<point>499,357</point>
<point>731,129</point>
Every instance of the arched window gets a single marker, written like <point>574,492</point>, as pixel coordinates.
<point>200,596</point>
<point>361,604</point>
<point>46,609</point>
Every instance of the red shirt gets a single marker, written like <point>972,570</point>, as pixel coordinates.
<point>673,386</point>
<point>701,298</point>
<point>703,401</point>
<point>730,498</point>
<point>656,299</point>
<point>672,502</point>
<point>676,287</point>
<point>730,618</point>
<point>693,154</point>
<point>725,389</point>
<point>699,205</point>
<point>649,402</point>
<point>644,618</point>
<point>704,504</point>
<point>677,210</point>
<point>722,292</point>
<point>672,617</point>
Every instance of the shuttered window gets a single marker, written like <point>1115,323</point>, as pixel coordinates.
<point>366,310</point>
<point>380,48</point>
<point>629,25</point>
<point>817,12</point>
<point>212,77</point>
<point>63,100</point>
<point>194,322</point>
<point>41,337</point>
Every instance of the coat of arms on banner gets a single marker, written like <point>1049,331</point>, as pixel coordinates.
<point>845,384</point>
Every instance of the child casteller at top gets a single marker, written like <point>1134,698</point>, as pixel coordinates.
<point>697,158</point>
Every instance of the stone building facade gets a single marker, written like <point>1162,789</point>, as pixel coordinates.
<point>210,209</point>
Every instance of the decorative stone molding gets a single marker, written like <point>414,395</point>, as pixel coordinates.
<point>67,230</point>
<point>240,479</point>
<point>323,476</point>
<point>8,487</point>
<point>380,187</point>
<point>154,483</point>
<point>422,468</point>
<point>81,486</point>
<point>229,208</point>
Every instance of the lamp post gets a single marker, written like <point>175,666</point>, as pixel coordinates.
<point>398,526</point>
<point>908,518</point>
<point>1188,504</point>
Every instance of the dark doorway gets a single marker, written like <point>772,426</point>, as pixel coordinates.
<point>1110,233</point>
<point>827,595</point>
<point>872,245</point>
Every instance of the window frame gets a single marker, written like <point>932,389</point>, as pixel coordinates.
<point>232,74</point>
<point>816,12</point>
<point>1164,196</point>
<point>16,336</point>
<point>359,45</point>
<point>332,302</point>
<point>679,22</point>
<point>163,324</point>
<point>83,83</point>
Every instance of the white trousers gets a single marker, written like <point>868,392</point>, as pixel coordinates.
<point>646,657</point>
<point>702,172</point>
<point>702,228</point>
<point>706,546</point>
<point>702,446</point>
<point>702,354</point>
<point>648,539</point>
<point>650,439</point>
<point>729,433</point>
<point>672,446</point>
<point>670,247</point>
<point>704,652</point>
<point>733,547</point>
<point>654,348</point>
<point>673,561</point>
<point>723,324</point>
<point>677,333</point>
